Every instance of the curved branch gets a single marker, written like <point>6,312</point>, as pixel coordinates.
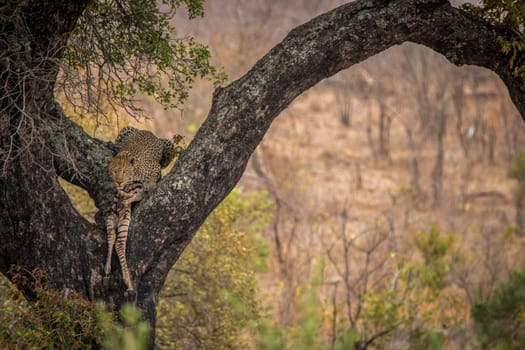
<point>242,112</point>
<point>81,159</point>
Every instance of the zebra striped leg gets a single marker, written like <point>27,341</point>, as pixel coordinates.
<point>121,210</point>
<point>132,192</point>
<point>111,222</point>
<point>122,237</point>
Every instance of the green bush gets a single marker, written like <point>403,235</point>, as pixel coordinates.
<point>210,298</point>
<point>55,320</point>
<point>64,320</point>
<point>500,319</point>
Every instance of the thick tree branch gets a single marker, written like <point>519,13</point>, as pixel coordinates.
<point>242,112</point>
<point>81,159</point>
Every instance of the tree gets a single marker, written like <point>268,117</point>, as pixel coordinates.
<point>38,143</point>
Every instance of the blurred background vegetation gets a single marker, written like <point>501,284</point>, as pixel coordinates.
<point>385,209</point>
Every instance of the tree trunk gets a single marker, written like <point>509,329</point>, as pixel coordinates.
<point>437,172</point>
<point>39,227</point>
<point>384,131</point>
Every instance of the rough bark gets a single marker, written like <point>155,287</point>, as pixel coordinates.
<point>39,227</point>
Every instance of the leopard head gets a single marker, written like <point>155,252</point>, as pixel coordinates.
<point>121,169</point>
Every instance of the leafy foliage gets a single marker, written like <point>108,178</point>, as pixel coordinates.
<point>120,48</point>
<point>131,334</point>
<point>435,248</point>
<point>501,317</point>
<point>210,296</point>
<point>63,319</point>
<point>55,320</point>
<point>511,14</point>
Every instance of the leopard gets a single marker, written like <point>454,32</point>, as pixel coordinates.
<point>134,171</point>
<point>142,156</point>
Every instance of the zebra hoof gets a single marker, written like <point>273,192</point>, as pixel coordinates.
<point>105,281</point>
